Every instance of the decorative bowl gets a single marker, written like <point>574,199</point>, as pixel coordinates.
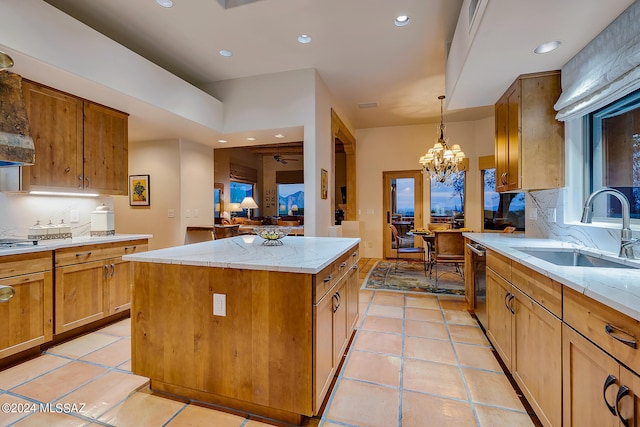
<point>272,234</point>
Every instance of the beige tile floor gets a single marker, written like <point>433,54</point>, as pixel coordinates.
<point>415,361</point>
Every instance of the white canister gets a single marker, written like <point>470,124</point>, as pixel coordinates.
<point>102,222</point>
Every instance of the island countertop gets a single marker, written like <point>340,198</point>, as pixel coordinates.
<point>296,255</point>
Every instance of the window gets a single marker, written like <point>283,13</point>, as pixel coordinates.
<point>238,191</point>
<point>290,199</point>
<point>501,210</point>
<point>615,156</point>
<point>447,200</point>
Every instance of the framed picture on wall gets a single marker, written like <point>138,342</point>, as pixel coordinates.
<point>324,183</point>
<point>139,194</point>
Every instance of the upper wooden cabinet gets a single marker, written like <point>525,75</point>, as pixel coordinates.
<point>80,145</point>
<point>529,140</point>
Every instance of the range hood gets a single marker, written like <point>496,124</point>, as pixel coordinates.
<point>16,144</point>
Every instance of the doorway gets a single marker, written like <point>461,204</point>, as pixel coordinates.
<point>402,207</point>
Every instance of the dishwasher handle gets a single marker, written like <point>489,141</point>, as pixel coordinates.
<point>477,249</point>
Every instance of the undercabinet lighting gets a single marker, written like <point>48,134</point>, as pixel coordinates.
<point>547,47</point>
<point>279,135</point>
<point>165,3</point>
<point>62,193</point>
<point>226,53</point>
<point>304,38</point>
<point>401,20</point>
<point>222,141</point>
<point>251,139</point>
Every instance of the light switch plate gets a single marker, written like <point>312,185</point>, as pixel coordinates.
<point>219,304</point>
<point>551,215</point>
<point>171,213</point>
<point>533,213</point>
<point>187,213</point>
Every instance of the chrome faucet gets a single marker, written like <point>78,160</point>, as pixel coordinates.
<point>627,242</point>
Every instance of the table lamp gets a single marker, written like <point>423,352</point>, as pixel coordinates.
<point>234,207</point>
<point>248,203</point>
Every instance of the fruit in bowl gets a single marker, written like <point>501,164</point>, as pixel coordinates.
<point>272,234</point>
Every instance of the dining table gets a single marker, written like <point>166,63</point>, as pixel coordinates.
<point>428,237</point>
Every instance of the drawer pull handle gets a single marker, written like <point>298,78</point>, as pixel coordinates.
<point>336,302</point>
<point>611,380</point>
<point>510,304</point>
<point>355,254</point>
<point>130,248</point>
<point>611,331</point>
<point>343,265</point>
<point>622,392</point>
<point>83,254</point>
<point>328,278</point>
<point>113,270</point>
<point>354,266</point>
<point>106,271</point>
<point>81,181</point>
<point>6,293</point>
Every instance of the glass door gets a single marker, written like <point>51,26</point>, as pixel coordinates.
<point>402,204</point>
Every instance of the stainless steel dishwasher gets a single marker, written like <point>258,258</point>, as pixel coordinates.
<point>479,280</point>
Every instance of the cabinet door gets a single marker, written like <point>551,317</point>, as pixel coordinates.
<point>537,363</point>
<point>105,149</point>
<point>56,127</point>
<point>323,349</point>
<point>513,136</point>
<point>586,369</point>
<point>28,315</point>
<point>498,315</point>
<point>353,294</point>
<point>80,293</point>
<point>118,286</point>
<point>628,403</point>
<point>502,145</point>
<point>340,305</point>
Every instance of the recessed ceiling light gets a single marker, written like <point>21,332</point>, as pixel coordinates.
<point>304,38</point>
<point>165,3</point>
<point>401,20</point>
<point>222,141</point>
<point>251,139</point>
<point>226,53</point>
<point>548,46</point>
<point>279,135</point>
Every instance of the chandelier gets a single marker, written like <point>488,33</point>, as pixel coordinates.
<point>441,161</point>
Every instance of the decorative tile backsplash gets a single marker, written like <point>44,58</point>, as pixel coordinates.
<point>18,212</point>
<point>605,239</point>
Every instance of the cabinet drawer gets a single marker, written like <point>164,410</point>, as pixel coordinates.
<point>87,253</point>
<point>500,264</point>
<point>328,277</point>
<point>605,326</point>
<point>542,289</point>
<point>14,265</point>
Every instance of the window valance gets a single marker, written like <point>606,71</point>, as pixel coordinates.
<point>605,70</point>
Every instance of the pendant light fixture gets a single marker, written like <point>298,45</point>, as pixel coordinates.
<point>441,161</point>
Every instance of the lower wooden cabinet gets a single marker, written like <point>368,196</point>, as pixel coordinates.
<point>91,283</point>
<point>528,338</point>
<point>598,391</point>
<point>28,315</point>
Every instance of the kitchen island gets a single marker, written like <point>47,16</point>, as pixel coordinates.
<point>260,329</point>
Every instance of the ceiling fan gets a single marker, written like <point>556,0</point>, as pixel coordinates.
<point>278,158</point>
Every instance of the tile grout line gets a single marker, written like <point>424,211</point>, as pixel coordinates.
<point>464,379</point>
<point>401,393</point>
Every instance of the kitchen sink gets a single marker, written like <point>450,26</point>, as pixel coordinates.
<point>572,258</point>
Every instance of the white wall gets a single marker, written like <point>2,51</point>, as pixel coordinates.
<point>181,178</point>
<point>399,148</point>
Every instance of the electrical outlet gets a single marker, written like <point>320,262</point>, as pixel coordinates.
<point>533,213</point>
<point>196,213</point>
<point>74,215</point>
<point>187,213</point>
<point>551,215</point>
<point>171,213</point>
<point>219,304</point>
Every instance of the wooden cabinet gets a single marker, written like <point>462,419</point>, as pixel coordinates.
<point>528,338</point>
<point>598,391</point>
<point>529,145</point>
<point>92,282</point>
<point>80,145</point>
<point>28,316</point>
<point>338,308</point>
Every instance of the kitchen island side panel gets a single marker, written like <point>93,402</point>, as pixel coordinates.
<point>260,352</point>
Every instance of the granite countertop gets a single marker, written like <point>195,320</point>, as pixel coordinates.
<point>51,245</point>
<point>618,288</point>
<point>297,254</point>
